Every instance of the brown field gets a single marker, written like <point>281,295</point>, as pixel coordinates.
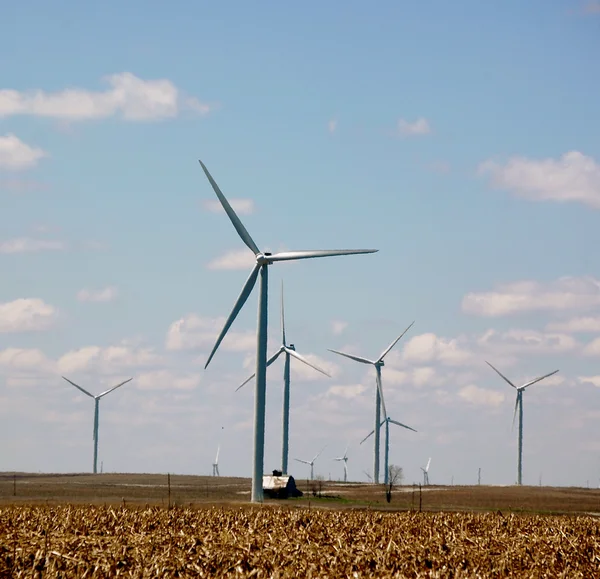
<point>118,524</point>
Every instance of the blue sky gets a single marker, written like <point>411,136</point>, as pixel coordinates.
<point>459,140</point>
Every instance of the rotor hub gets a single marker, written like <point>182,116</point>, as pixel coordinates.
<point>263,259</point>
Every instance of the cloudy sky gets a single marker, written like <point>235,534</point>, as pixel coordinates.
<point>462,143</point>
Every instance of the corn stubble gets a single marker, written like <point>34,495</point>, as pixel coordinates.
<point>92,541</point>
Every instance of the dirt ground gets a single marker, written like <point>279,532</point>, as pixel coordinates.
<point>153,489</point>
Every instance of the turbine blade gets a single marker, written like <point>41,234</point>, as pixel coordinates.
<point>355,358</point>
<point>400,424</point>
<point>114,388</point>
<point>239,304</point>
<point>302,461</point>
<point>318,454</point>
<point>346,451</point>
<point>308,253</point>
<point>303,359</point>
<point>500,374</point>
<point>368,435</point>
<point>269,362</point>
<point>515,412</point>
<point>239,226</point>
<point>282,318</point>
<point>217,457</point>
<point>394,343</point>
<point>428,463</point>
<point>537,380</point>
<point>380,388</point>
<point>79,387</point>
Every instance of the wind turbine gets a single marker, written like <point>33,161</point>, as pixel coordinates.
<point>311,462</point>
<point>289,351</point>
<point>96,412</point>
<point>263,260</point>
<point>519,407</point>
<point>426,473</point>
<point>379,403</point>
<point>216,463</point>
<point>345,459</point>
<point>387,421</point>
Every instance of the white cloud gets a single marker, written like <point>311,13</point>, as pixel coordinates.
<point>236,259</point>
<point>167,380</point>
<point>566,293</point>
<point>419,127</point>
<point>338,327</point>
<point>130,97</point>
<point>348,392</point>
<point>429,347</point>
<point>588,324</point>
<point>332,126</point>
<point>193,332</point>
<point>593,380</point>
<point>573,177</point>
<point>29,245</point>
<point>25,360</point>
<point>26,315</point>
<point>515,342</point>
<point>104,295</point>
<point>481,396</point>
<point>15,155</point>
<point>107,360</point>
<point>593,348</point>
<point>240,206</point>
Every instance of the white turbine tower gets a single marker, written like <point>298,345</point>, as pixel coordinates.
<point>426,473</point>
<point>311,462</point>
<point>379,403</point>
<point>96,412</point>
<point>519,407</point>
<point>263,260</point>
<point>345,459</point>
<point>289,351</point>
<point>387,421</point>
<point>216,463</point>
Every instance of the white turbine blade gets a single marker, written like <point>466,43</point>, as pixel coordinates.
<point>217,457</point>
<point>308,253</point>
<point>318,454</point>
<point>341,458</point>
<point>282,317</point>
<point>355,358</point>
<point>346,451</point>
<point>500,374</point>
<point>303,359</point>
<point>400,424</point>
<point>302,461</point>
<point>239,226</point>
<point>380,388</point>
<point>269,362</point>
<point>515,412</point>
<point>428,463</point>
<point>113,388</point>
<point>537,380</point>
<point>79,387</point>
<point>368,435</point>
<point>394,343</point>
<point>239,304</point>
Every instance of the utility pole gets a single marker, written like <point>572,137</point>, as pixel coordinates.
<point>479,476</point>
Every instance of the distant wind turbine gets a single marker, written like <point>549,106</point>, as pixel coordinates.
<point>519,407</point>
<point>289,351</point>
<point>426,473</point>
<point>216,463</point>
<point>379,403</point>
<point>263,260</point>
<point>387,421</point>
<point>345,459</point>
<point>311,462</point>
<point>96,412</point>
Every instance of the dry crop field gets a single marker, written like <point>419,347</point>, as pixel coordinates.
<point>268,541</point>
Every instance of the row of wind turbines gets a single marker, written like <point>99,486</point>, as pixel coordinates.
<point>260,273</point>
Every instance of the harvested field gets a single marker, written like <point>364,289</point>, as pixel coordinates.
<point>103,541</point>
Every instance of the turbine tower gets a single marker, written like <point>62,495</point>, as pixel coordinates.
<point>345,459</point>
<point>263,260</point>
<point>426,473</point>
<point>311,462</point>
<point>519,407</point>
<point>379,403</point>
<point>96,412</point>
<point>216,463</point>
<point>387,421</point>
<point>289,351</point>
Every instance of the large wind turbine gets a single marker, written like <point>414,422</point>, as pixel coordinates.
<point>345,459</point>
<point>311,462</point>
<point>263,260</point>
<point>426,473</point>
<point>387,421</point>
<point>96,412</point>
<point>289,351</point>
<point>216,463</point>
<point>379,403</point>
<point>519,407</point>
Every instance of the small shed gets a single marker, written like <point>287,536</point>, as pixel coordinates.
<point>276,486</point>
